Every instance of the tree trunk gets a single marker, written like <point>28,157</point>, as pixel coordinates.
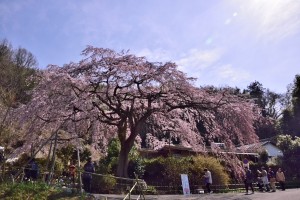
<point>126,146</point>
<point>123,160</point>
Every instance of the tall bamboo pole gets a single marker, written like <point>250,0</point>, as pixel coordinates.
<point>53,157</point>
<point>78,154</point>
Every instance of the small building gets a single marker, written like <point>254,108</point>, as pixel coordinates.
<point>248,152</point>
<point>272,150</point>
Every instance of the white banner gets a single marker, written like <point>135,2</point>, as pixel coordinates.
<point>185,184</point>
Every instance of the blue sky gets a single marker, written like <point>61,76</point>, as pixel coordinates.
<point>219,42</point>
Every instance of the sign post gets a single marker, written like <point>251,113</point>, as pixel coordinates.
<point>246,163</point>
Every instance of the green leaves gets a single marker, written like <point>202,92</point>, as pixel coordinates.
<point>17,67</point>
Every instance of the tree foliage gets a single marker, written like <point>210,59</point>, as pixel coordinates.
<point>256,91</point>
<point>271,104</point>
<point>17,70</point>
<point>108,94</point>
<point>290,161</point>
<point>290,121</point>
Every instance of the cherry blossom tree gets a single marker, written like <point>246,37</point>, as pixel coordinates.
<point>109,93</point>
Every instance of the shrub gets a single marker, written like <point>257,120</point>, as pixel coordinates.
<point>173,167</point>
<point>219,176</point>
<point>104,184</point>
<point>154,169</point>
<point>166,171</point>
<point>150,190</point>
<point>263,157</point>
<point>136,167</point>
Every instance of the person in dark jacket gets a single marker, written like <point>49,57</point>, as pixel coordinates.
<point>34,170</point>
<point>27,172</point>
<point>87,176</point>
<point>248,180</point>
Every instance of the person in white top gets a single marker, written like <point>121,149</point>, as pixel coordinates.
<point>264,178</point>
<point>208,180</point>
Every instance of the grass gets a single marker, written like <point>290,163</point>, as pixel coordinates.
<point>35,191</point>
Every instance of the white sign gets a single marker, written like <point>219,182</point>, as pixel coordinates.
<point>185,184</point>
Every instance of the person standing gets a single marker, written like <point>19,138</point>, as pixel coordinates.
<point>280,178</point>
<point>272,178</point>
<point>87,176</point>
<point>34,170</point>
<point>72,171</point>
<point>264,178</point>
<point>259,181</point>
<point>208,180</point>
<point>248,180</point>
<point>27,172</point>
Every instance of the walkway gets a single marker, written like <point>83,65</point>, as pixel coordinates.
<point>290,194</point>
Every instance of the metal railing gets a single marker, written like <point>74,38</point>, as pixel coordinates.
<point>140,189</point>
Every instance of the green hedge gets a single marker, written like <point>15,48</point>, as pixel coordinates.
<point>166,171</point>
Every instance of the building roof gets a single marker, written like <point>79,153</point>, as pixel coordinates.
<point>249,149</point>
<point>167,147</point>
<point>255,147</point>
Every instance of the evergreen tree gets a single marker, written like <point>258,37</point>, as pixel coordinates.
<point>290,121</point>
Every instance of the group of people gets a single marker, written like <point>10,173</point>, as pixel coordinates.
<point>86,175</point>
<point>265,179</point>
<point>31,172</point>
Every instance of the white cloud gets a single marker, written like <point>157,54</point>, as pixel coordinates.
<point>205,66</point>
<point>233,75</point>
<point>156,55</point>
<point>223,75</point>
<point>270,20</point>
<point>197,60</point>
<point>193,60</point>
<point>200,64</point>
